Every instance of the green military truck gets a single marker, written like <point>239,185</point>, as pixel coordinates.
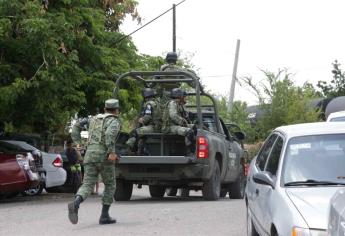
<point>216,167</point>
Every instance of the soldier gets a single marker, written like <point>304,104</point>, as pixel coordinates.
<point>100,158</point>
<point>165,89</point>
<point>175,119</point>
<point>171,59</point>
<point>150,121</point>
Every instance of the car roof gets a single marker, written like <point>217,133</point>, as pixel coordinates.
<point>316,128</point>
<point>21,144</point>
<point>336,114</point>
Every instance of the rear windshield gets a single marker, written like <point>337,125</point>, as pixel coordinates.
<point>22,144</point>
<point>315,157</point>
<point>9,147</point>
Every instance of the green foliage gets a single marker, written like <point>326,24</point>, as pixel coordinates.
<point>336,87</point>
<point>282,102</point>
<point>61,58</point>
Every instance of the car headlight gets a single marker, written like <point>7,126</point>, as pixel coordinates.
<point>297,231</point>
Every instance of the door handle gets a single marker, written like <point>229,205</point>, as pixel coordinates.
<point>257,192</point>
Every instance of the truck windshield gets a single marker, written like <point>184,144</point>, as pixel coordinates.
<point>315,157</point>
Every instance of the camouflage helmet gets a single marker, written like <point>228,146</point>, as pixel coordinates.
<point>177,93</point>
<point>112,104</point>
<point>149,92</point>
<point>171,57</point>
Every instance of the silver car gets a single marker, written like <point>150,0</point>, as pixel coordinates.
<point>336,221</point>
<point>292,179</point>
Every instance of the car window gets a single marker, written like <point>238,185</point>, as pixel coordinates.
<point>9,147</point>
<point>22,145</point>
<point>273,161</point>
<point>265,151</point>
<point>338,119</point>
<point>315,157</point>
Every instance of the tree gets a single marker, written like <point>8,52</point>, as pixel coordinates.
<point>60,57</point>
<point>282,102</point>
<point>337,85</point>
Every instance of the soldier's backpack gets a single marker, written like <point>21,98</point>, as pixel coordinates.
<point>96,132</point>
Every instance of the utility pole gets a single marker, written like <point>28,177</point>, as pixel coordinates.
<point>174,27</point>
<point>234,77</point>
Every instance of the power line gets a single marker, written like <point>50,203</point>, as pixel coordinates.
<point>126,36</point>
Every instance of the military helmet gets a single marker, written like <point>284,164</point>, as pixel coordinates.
<point>171,57</point>
<point>177,92</point>
<point>112,104</point>
<point>149,92</point>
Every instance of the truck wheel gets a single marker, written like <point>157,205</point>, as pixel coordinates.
<point>184,192</point>
<point>211,188</point>
<point>157,191</point>
<point>171,192</point>
<point>123,190</point>
<point>223,192</point>
<point>237,188</point>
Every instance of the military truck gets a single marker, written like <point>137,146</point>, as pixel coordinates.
<point>216,167</point>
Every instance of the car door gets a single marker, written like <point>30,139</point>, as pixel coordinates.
<point>253,188</point>
<point>265,195</point>
<point>233,157</point>
<point>10,171</point>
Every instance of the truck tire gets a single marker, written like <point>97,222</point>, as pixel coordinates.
<point>157,191</point>
<point>184,192</point>
<point>171,192</point>
<point>123,190</point>
<point>237,188</point>
<point>211,188</point>
<point>223,192</point>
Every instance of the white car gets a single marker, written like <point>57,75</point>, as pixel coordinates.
<point>292,179</point>
<point>336,116</point>
<point>336,222</point>
<point>56,174</point>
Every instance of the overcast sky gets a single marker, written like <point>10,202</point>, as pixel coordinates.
<point>305,36</point>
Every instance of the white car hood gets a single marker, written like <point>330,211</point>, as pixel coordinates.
<point>313,204</point>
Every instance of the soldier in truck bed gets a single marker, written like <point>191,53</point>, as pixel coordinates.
<point>150,121</point>
<point>176,121</point>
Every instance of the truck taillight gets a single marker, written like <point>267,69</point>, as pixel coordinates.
<point>57,162</point>
<point>202,147</point>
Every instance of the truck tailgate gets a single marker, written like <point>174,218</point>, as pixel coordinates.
<point>156,160</point>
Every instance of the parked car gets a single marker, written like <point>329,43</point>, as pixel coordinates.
<point>18,171</point>
<point>336,116</point>
<point>56,175</point>
<point>292,179</point>
<point>37,155</point>
<point>336,221</point>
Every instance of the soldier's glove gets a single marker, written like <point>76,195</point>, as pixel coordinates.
<point>184,123</point>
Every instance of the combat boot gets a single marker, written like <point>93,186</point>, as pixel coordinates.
<point>105,218</point>
<point>73,208</point>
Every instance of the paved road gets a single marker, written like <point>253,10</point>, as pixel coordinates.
<point>47,215</point>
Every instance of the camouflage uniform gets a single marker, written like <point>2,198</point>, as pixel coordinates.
<point>165,88</point>
<point>103,132</point>
<point>151,122</point>
<point>175,121</point>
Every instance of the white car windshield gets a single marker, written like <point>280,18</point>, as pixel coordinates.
<point>315,159</point>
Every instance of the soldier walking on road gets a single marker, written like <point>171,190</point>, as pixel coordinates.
<point>150,121</point>
<point>100,158</point>
<point>176,121</point>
